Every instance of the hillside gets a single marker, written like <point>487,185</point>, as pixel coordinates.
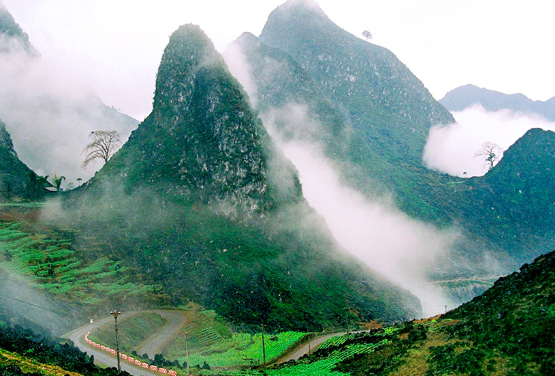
<point>465,96</point>
<point>15,176</point>
<point>505,331</point>
<point>201,200</point>
<point>386,105</point>
<point>313,81</point>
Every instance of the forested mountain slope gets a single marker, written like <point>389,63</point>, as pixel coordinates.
<point>201,199</point>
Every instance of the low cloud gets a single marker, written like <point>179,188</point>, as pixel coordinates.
<point>49,116</point>
<point>452,148</point>
<point>373,229</point>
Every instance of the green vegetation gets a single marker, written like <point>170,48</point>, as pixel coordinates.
<point>22,350</point>
<point>505,331</point>
<point>51,264</point>
<point>133,331</point>
<point>201,198</point>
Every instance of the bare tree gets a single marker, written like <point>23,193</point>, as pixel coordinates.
<point>103,146</point>
<point>366,34</point>
<point>492,153</point>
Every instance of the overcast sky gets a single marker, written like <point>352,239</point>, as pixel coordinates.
<point>115,45</point>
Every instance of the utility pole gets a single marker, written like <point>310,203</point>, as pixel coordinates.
<point>116,313</point>
<point>263,347</point>
<point>187,350</point>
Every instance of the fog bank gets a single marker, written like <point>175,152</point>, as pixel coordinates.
<point>50,115</point>
<point>452,148</point>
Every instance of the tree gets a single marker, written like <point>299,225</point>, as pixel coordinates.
<point>367,34</point>
<point>492,153</point>
<point>103,146</point>
<point>79,180</point>
<point>57,181</point>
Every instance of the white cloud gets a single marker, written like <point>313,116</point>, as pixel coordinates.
<point>452,148</point>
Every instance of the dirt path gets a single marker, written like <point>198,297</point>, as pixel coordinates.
<point>310,346</point>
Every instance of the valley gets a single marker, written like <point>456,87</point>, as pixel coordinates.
<point>274,213</point>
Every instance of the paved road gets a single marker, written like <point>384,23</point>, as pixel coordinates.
<point>156,343</point>
<point>102,357</point>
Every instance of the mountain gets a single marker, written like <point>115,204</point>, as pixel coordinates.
<point>380,112</point>
<point>505,331</point>
<point>39,104</point>
<point>514,202</point>
<point>15,176</point>
<point>13,38</point>
<point>313,82</point>
<point>465,96</point>
<point>386,105</point>
<point>202,201</point>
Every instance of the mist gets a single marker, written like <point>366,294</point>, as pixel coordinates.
<point>50,114</point>
<point>452,148</point>
<point>30,307</point>
<point>377,233</point>
<point>373,229</point>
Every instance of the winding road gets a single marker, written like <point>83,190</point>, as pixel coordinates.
<point>174,321</point>
<point>153,345</point>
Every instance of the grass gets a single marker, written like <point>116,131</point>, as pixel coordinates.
<point>31,366</point>
<point>133,331</point>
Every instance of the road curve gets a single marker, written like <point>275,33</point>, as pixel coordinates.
<point>102,357</point>
<point>175,320</point>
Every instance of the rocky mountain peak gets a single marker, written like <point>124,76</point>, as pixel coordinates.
<point>189,49</point>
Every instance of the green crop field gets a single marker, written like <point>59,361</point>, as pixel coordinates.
<point>51,264</point>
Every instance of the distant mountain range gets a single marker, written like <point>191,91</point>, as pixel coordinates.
<point>465,96</point>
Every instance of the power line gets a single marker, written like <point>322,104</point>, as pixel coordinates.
<point>37,306</point>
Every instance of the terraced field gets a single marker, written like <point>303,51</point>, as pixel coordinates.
<point>50,263</point>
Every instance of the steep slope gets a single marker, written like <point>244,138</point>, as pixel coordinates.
<point>514,202</point>
<point>208,144</point>
<point>201,199</point>
<point>505,331</point>
<point>372,90</point>
<point>465,96</point>
<point>13,38</point>
<point>15,176</point>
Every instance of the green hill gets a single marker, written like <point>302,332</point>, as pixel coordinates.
<point>202,201</point>
<point>505,331</point>
<point>370,88</point>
